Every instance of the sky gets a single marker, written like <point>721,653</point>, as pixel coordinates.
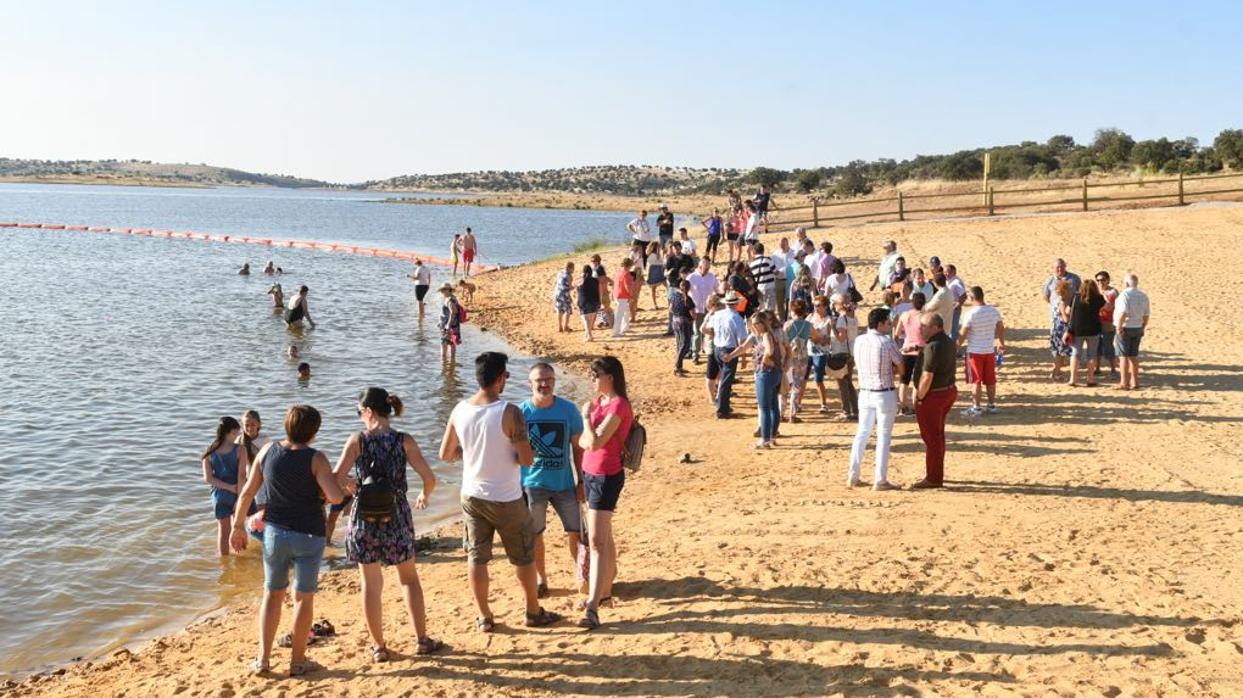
<point>354,91</point>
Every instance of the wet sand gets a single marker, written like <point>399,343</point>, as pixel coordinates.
<point>1085,544</point>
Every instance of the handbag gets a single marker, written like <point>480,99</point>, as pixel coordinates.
<point>377,498</point>
<point>855,296</point>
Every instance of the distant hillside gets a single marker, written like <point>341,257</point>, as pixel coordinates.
<point>144,172</point>
<point>631,180</point>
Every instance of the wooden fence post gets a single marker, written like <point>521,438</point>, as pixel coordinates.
<point>1085,193</point>
<point>901,208</point>
<point>990,199</point>
<point>815,211</point>
<point>1181,201</point>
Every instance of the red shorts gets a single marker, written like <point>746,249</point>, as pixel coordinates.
<point>982,368</point>
<point>468,255</point>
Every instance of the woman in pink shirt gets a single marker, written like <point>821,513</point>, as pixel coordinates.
<point>909,338</point>
<point>627,288</point>
<point>608,418</point>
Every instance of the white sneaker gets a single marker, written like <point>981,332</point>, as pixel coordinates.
<point>973,411</point>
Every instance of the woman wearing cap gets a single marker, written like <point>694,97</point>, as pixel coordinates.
<point>450,325</point>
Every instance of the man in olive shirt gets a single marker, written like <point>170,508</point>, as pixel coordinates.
<point>935,396</point>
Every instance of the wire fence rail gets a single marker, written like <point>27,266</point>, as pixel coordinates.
<point>991,201</point>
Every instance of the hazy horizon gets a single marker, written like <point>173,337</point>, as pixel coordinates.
<point>365,94</point>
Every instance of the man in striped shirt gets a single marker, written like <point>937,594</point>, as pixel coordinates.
<point>879,362</point>
<point>765,281</point>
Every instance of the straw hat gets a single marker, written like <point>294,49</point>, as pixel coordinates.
<point>731,298</point>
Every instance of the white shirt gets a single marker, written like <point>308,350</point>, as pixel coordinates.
<point>753,223</point>
<point>729,330</point>
<point>640,229</point>
<point>813,264</point>
<point>942,303</point>
<point>837,283</point>
<point>982,321</point>
<point>886,267</point>
<point>837,346</point>
<point>781,261</point>
<point>1134,303</point>
<point>876,356</point>
<point>702,286</point>
<point>688,247</point>
<point>489,465</point>
<point>957,286</point>
<point>422,275</point>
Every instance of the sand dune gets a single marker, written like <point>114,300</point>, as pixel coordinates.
<point>1086,546</point>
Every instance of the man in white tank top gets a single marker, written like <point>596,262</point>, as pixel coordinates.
<point>490,436</point>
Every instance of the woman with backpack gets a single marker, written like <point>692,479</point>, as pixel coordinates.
<point>381,530</point>
<point>608,419</point>
<point>452,315</point>
<point>222,462</point>
<point>769,362</point>
<point>798,333</point>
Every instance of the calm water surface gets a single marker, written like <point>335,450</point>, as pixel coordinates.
<point>118,354</point>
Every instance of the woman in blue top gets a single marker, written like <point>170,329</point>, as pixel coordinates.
<point>222,461</point>
<point>381,452</point>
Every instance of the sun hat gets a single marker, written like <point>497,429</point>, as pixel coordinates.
<point>446,287</point>
<point>731,298</point>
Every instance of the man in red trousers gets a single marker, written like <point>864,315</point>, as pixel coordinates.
<point>935,396</point>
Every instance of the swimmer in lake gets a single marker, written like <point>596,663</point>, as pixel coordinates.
<point>292,352</point>
<point>269,269</point>
<point>245,270</point>
<point>298,310</point>
<point>304,372</point>
<point>278,297</point>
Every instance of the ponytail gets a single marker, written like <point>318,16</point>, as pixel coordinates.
<point>226,425</point>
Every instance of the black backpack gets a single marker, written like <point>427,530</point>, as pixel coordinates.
<point>377,498</point>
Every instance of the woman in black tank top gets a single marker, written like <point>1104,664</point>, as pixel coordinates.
<point>298,479</point>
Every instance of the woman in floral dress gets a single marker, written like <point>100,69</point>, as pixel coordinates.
<point>561,297</point>
<point>1059,309</point>
<point>380,452</point>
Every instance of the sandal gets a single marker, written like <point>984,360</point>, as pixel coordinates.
<point>606,601</point>
<point>429,646</point>
<point>590,619</point>
<point>379,654</point>
<point>541,590</point>
<point>305,666</point>
<point>486,625</point>
<point>286,640</point>
<point>258,667</point>
<point>323,629</point>
<point>541,619</point>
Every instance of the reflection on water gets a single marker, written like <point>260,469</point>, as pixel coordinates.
<point>118,355</point>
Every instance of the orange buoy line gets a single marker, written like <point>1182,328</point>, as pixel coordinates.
<point>269,242</point>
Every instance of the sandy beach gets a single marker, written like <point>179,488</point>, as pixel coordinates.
<point>1085,544</point>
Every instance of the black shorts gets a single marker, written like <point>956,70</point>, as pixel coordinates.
<point>603,491</point>
<point>732,237</point>
<point>420,291</point>
<point>714,366</point>
<point>909,361</point>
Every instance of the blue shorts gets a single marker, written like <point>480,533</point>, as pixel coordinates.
<point>564,502</point>
<point>603,491</point>
<point>283,548</point>
<point>345,503</point>
<point>816,366</point>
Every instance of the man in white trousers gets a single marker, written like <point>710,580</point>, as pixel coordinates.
<point>879,362</point>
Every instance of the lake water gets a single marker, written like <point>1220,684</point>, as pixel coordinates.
<point>119,353</point>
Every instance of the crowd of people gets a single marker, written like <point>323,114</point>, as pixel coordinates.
<point>798,316</point>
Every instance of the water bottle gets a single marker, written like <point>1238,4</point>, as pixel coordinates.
<point>1001,358</point>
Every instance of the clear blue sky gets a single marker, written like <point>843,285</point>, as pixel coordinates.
<point>353,91</point>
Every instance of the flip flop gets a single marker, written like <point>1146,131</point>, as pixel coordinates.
<point>379,654</point>
<point>258,667</point>
<point>486,625</point>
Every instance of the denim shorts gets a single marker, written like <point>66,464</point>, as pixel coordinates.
<point>1127,341</point>
<point>1085,348</point>
<point>564,502</point>
<point>603,491</point>
<point>283,548</point>
<point>224,503</point>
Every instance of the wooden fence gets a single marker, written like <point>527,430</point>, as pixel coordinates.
<point>1087,195</point>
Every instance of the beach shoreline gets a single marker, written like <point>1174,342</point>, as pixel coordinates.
<point>1072,553</point>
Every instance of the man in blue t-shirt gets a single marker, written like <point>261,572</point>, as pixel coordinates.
<point>553,426</point>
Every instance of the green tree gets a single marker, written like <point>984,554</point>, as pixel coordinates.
<point>766,177</point>
<point>1153,155</point>
<point>1061,144</point>
<point>808,181</point>
<point>1112,147</point>
<point>965,164</point>
<point>852,182</point>
<point>1228,145</point>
